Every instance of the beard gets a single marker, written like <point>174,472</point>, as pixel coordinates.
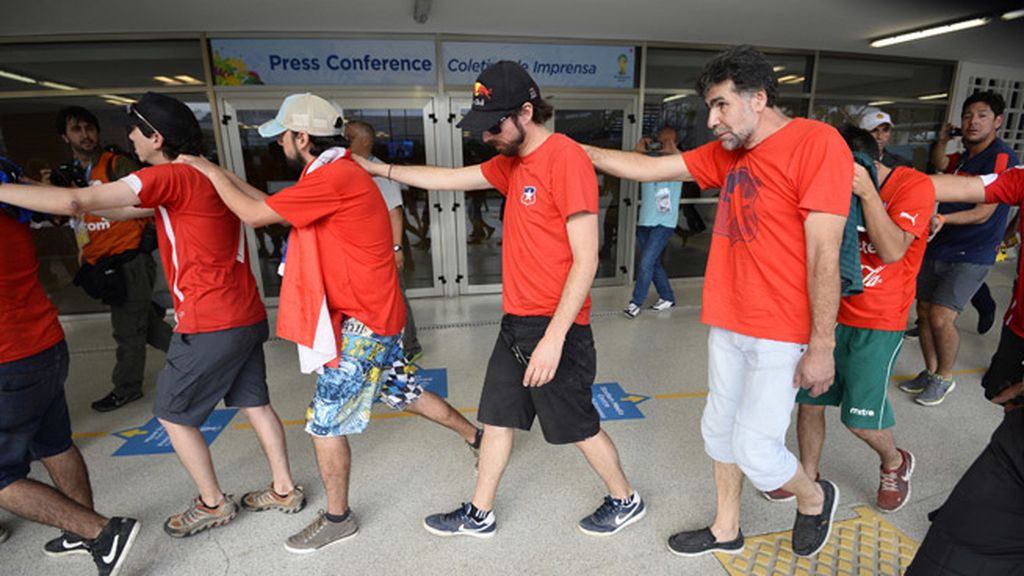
<point>295,163</point>
<point>733,139</point>
<point>511,148</point>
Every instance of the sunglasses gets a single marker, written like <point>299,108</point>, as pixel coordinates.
<point>496,129</point>
<point>133,111</point>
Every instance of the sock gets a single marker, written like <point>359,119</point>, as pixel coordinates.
<point>477,439</point>
<point>626,501</point>
<point>478,514</point>
<point>217,507</point>
<point>337,519</point>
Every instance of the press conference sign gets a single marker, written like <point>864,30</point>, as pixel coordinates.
<point>551,65</point>
<point>248,62</point>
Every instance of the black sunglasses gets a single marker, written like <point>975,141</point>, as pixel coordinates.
<point>133,111</point>
<point>496,129</point>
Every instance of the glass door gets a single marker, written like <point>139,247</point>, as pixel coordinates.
<point>404,131</point>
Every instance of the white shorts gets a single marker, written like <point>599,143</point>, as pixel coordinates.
<point>750,404</point>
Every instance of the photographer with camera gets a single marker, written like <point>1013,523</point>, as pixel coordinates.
<point>115,256</point>
<point>659,213</point>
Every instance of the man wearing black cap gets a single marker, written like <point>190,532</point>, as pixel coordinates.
<point>543,363</point>
<point>217,349</point>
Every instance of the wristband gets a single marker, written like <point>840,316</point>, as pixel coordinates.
<point>390,166</point>
<point>942,219</point>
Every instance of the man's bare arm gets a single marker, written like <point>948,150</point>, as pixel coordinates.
<point>253,211</point>
<point>582,231</point>
<point>950,188</point>
<point>636,166</point>
<point>429,177</point>
<point>124,213</point>
<point>977,215</point>
<point>397,217</point>
<point>69,201</point>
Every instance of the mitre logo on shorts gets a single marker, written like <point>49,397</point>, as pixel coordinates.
<point>862,411</point>
<point>737,212</point>
<point>529,197</point>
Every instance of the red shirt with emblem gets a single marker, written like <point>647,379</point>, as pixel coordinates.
<point>543,189</point>
<point>203,249</point>
<point>756,278</point>
<point>353,233</point>
<point>28,321</point>
<point>889,289</point>
<point>1008,188</point>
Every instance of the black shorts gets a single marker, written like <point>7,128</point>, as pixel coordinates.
<point>204,368</point>
<point>1006,367</point>
<point>34,420</point>
<point>563,405</point>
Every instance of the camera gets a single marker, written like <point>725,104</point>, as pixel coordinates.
<point>956,132</point>
<point>68,176</point>
<point>653,145</point>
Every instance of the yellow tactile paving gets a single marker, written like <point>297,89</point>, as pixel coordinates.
<point>867,545</point>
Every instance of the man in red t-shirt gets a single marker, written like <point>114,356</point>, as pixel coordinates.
<point>340,282</point>
<point>217,350</point>
<point>771,290</point>
<point>870,331</point>
<point>544,362</point>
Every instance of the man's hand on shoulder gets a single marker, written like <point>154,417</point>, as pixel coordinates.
<point>199,163</point>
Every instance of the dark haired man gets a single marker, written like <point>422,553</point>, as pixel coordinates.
<point>963,249</point>
<point>134,319</point>
<point>771,289</point>
<point>217,350</point>
<point>544,362</point>
<point>870,330</point>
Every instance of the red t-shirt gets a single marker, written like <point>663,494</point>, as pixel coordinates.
<point>756,278</point>
<point>28,321</point>
<point>203,248</point>
<point>1008,188</point>
<point>543,189</point>
<point>353,231</point>
<point>889,289</point>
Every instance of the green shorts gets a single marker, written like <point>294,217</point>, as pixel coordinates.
<point>864,362</point>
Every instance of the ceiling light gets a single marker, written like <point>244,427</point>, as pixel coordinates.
<point>880,102</point>
<point>56,85</point>
<point>1013,15</point>
<point>779,68</point>
<point>119,99</point>
<point>166,80</point>
<point>929,32</point>
<point>787,78</point>
<point>187,79</point>
<point>679,96</point>
<point>933,96</point>
<point>18,77</point>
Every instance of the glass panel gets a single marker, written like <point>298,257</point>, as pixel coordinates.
<point>881,78</point>
<point>680,69</point>
<point>914,130</point>
<point>66,66</point>
<point>601,128</point>
<point>28,136</point>
<point>485,212</point>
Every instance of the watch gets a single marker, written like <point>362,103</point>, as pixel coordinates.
<point>397,247</point>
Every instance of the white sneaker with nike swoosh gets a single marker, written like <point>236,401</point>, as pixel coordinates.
<point>111,547</point>
<point>460,522</point>
<point>613,515</point>
<point>67,544</point>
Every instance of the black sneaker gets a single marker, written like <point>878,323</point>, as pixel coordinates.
<point>700,542</point>
<point>111,547</point>
<point>67,544</point>
<point>112,401</point>
<point>810,533</point>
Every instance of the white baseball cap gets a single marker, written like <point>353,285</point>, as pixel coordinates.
<point>307,113</point>
<point>873,118</point>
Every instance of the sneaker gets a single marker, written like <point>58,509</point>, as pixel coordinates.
<point>662,304</point>
<point>613,515</point>
<point>201,517</point>
<point>631,311</point>
<point>111,547</point>
<point>4,534</point>
<point>67,544</point>
<point>700,542</point>
<point>810,533</point>
<point>112,401</point>
<point>912,332</point>
<point>321,532</point>
<point>918,384</point>
<point>894,485</point>
<point>412,357</point>
<point>936,391</point>
<point>459,522</point>
<point>267,499</point>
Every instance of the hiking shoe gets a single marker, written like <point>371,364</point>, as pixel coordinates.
<point>4,534</point>
<point>459,522</point>
<point>322,532</point>
<point>936,391</point>
<point>918,384</point>
<point>112,401</point>
<point>631,311</point>
<point>810,533</point>
<point>111,547</point>
<point>201,517</point>
<point>613,515</point>
<point>700,542</point>
<point>662,304</point>
<point>894,485</point>
<point>67,544</point>
<point>267,499</point>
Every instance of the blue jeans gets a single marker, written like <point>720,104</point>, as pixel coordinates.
<point>651,240</point>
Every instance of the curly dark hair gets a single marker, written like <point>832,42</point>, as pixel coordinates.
<point>859,140</point>
<point>748,69</point>
<point>994,101</point>
<point>74,112</point>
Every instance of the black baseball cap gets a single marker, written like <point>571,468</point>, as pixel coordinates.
<point>168,116</point>
<point>500,89</point>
